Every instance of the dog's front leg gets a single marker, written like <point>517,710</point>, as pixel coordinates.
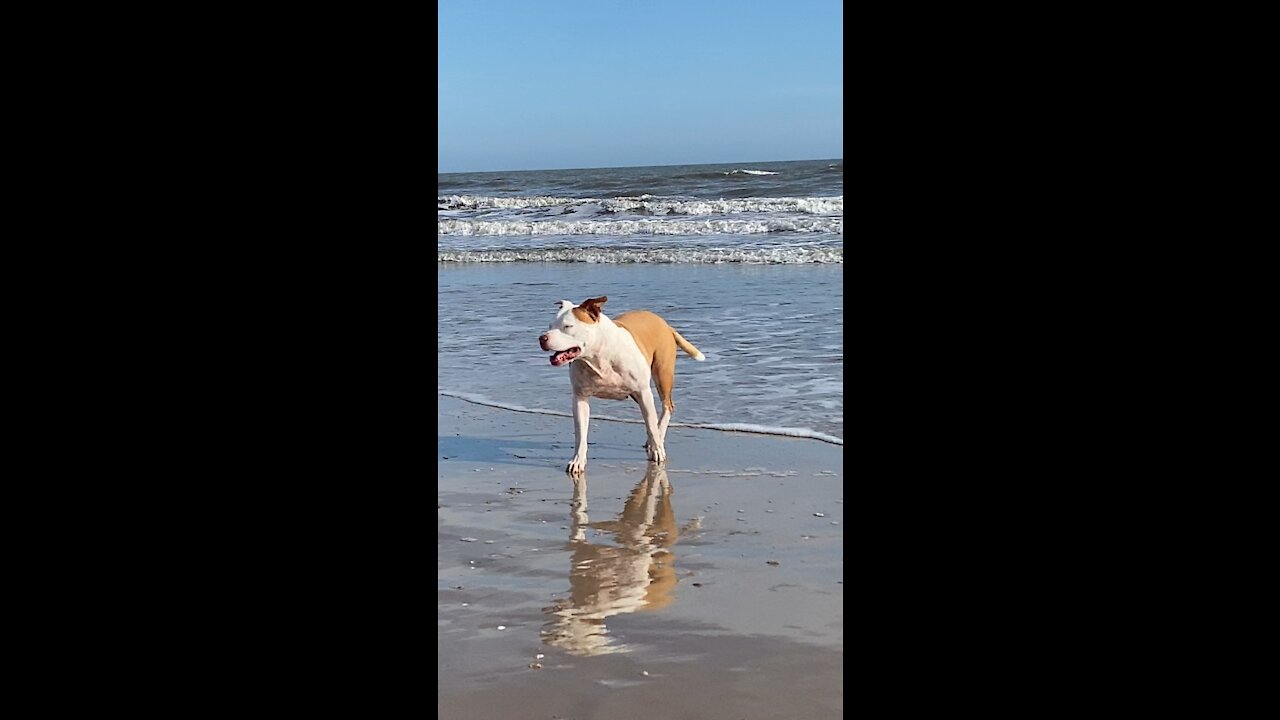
<point>581,415</point>
<point>657,450</point>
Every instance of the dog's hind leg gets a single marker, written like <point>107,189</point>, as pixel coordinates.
<point>664,376</point>
<point>655,447</point>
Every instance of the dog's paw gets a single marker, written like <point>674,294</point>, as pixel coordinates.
<point>576,466</point>
<point>657,453</point>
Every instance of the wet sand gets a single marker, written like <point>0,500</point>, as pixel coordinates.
<point>707,588</point>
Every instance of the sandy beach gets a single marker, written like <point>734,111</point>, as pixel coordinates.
<point>711,587</point>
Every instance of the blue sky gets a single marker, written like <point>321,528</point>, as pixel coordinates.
<point>527,85</point>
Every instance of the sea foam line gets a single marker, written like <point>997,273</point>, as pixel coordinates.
<point>655,205</point>
<point>612,256</point>
<point>726,427</point>
<point>639,227</point>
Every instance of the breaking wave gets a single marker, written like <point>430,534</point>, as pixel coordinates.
<point>653,205</point>
<point>623,256</point>
<point>470,202</point>
<point>639,227</point>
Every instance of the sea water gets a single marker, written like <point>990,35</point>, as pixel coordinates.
<point>744,260</point>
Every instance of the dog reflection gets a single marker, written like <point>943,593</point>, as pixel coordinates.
<point>638,573</point>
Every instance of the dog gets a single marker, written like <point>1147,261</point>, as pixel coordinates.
<point>615,359</point>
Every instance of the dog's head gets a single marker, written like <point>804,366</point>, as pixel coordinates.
<point>572,334</point>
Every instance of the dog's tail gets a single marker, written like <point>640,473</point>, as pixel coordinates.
<point>688,347</point>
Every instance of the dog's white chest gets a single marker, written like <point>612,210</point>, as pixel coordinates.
<point>602,380</point>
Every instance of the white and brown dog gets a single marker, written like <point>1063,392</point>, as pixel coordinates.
<point>615,359</point>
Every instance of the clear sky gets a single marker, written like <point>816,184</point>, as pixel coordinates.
<point>543,84</point>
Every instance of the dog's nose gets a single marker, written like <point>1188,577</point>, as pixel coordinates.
<point>542,340</point>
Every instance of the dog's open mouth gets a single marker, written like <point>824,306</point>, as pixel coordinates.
<point>565,356</point>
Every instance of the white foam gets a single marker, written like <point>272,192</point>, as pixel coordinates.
<point>766,430</point>
<point>727,427</point>
<point>750,172</point>
<point>654,205</point>
<point>483,201</point>
<point>755,256</point>
<point>803,205</point>
<point>482,400</point>
<point>639,227</point>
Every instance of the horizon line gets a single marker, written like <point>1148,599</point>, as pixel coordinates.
<point>620,167</point>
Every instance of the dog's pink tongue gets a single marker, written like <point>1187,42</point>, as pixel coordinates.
<point>564,356</point>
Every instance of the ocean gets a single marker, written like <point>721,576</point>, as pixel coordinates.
<point>743,259</point>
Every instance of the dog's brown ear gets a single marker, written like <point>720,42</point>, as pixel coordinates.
<point>592,306</point>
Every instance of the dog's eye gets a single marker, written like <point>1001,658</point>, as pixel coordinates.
<point>568,327</point>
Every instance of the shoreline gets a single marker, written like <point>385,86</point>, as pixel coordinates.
<point>807,433</point>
